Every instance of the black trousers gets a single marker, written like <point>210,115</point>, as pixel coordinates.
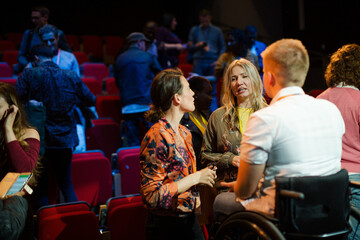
<point>169,227</point>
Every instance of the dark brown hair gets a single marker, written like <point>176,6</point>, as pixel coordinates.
<point>163,88</point>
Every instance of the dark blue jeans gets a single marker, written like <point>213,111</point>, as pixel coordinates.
<point>354,201</point>
<point>59,166</point>
<point>133,129</point>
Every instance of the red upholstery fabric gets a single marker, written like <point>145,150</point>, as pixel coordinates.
<point>14,37</point>
<point>104,135</point>
<point>10,80</point>
<point>81,57</point>
<point>91,177</point>
<point>186,69</point>
<point>129,168</point>
<point>113,44</point>
<point>73,41</point>
<point>93,84</point>
<point>67,221</point>
<point>5,70</point>
<point>110,86</point>
<point>98,70</point>
<point>7,45</point>
<point>92,45</point>
<point>10,57</point>
<point>109,106</point>
<point>127,220</point>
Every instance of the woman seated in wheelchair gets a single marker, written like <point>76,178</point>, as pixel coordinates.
<point>295,136</point>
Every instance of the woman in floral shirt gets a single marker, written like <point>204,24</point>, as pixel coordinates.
<point>168,162</point>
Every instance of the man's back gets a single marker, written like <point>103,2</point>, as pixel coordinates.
<point>302,135</point>
<point>60,91</point>
<point>135,70</point>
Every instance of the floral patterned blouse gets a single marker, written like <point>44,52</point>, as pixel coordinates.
<point>164,160</point>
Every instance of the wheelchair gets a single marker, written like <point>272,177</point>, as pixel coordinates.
<point>311,207</point>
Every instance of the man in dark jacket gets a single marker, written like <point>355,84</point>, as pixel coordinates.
<point>60,91</point>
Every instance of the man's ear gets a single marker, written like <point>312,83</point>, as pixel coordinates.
<point>272,79</point>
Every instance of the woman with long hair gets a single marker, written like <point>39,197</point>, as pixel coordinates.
<point>168,163</point>
<point>19,142</point>
<point>242,96</point>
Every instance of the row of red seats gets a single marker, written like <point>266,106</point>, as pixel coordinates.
<point>125,219</point>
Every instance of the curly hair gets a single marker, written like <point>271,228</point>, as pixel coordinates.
<point>344,66</point>
<point>229,100</point>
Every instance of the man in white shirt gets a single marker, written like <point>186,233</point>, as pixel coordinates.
<point>297,135</point>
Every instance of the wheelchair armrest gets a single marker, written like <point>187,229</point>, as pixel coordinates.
<point>355,184</point>
<point>292,194</point>
<point>355,213</point>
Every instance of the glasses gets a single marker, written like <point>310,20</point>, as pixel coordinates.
<point>35,18</point>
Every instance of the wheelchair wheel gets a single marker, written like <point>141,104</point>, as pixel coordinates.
<point>249,226</point>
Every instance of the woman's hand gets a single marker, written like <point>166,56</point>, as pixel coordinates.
<point>236,161</point>
<point>205,176</point>
<point>9,117</point>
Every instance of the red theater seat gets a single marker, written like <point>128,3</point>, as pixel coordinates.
<point>110,86</point>
<point>11,81</point>
<point>10,56</point>
<point>126,217</point>
<point>109,106</point>
<point>93,84</point>
<point>67,221</point>
<point>91,177</point>
<point>104,135</point>
<point>129,169</point>
<point>186,69</point>
<point>81,57</point>
<point>98,70</point>
<point>5,70</point>
<point>93,46</point>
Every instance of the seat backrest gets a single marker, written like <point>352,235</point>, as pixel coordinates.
<point>7,45</point>
<point>98,70</point>
<point>104,135</point>
<point>73,41</point>
<point>129,169</point>
<point>126,218</point>
<point>91,177</point>
<point>9,80</point>
<point>10,56</point>
<point>109,106</point>
<point>81,57</point>
<point>5,70</point>
<point>110,86</point>
<point>93,84</point>
<point>67,221</point>
<point>92,45</point>
<point>186,68</point>
<point>324,209</point>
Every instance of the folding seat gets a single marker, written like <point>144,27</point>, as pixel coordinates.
<point>103,135</point>
<point>73,41</point>
<point>109,106</point>
<point>126,217</point>
<point>5,70</point>
<point>128,165</point>
<point>15,38</point>
<point>98,70</point>
<point>6,45</point>
<point>93,84</point>
<point>91,177</point>
<point>110,86</point>
<point>93,46</point>
<point>67,221</point>
<point>81,57</point>
<point>113,45</point>
<point>186,69</point>
<point>9,80</point>
<point>10,57</point>
<point>182,58</point>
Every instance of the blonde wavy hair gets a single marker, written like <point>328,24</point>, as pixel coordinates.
<point>229,100</point>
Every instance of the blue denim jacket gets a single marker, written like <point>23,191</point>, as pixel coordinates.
<point>60,91</point>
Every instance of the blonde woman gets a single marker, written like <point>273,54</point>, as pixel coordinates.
<point>242,96</point>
